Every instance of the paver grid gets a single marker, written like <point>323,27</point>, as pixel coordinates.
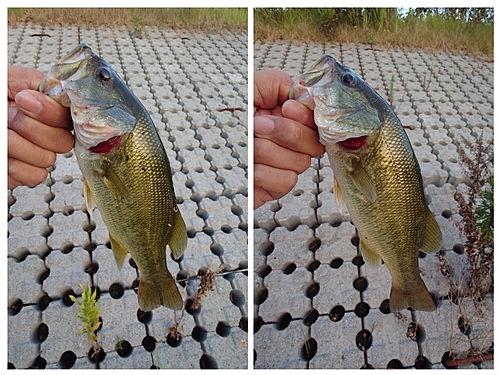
<point>188,83</point>
<point>314,296</point>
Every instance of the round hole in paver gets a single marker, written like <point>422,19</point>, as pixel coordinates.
<point>243,323</point>
<point>144,316</point>
<point>182,277</point>
<point>223,329</point>
<point>458,248</point>
<point>311,317</point>
<point>237,297</point>
<point>337,313</point>
<point>15,306</point>
<point>312,289</point>
<point>336,263</point>
<point>384,307</point>
<point>44,302</point>
<point>445,361</point>
<point>174,340</point>
<point>362,309</point>
<point>360,284</point>
<point>92,268</point>
<point>287,268</point>
<point>446,214</point>
<point>226,228</point>
<point>364,340</point>
<point>395,364</point>
<point>38,363</point>
<point>355,241</point>
<point>266,248</point>
<point>243,265</point>
<point>67,360</point>
<point>313,265</point>
<point>202,213</point>
<point>464,325</point>
<point>124,348</point>
<point>358,261</point>
<point>96,357</point>
<point>258,322</point>
<point>132,263</point>
<point>41,333</point>
<point>315,245</point>
<point>261,295</point>
<point>216,249</point>
<point>149,343</point>
<point>66,297</point>
<point>283,321</point>
<point>208,362</point>
<point>243,226</point>
<point>116,290</point>
<point>209,231</point>
<point>67,247</point>
<point>422,362</point>
<point>199,333</point>
<point>195,197</point>
<point>190,309</point>
<point>28,215</point>
<point>265,269</point>
<point>309,349</point>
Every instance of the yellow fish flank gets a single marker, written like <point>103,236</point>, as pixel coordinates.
<point>125,168</point>
<point>376,175</point>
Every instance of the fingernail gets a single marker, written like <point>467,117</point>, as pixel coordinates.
<point>294,111</point>
<point>28,102</point>
<point>263,125</point>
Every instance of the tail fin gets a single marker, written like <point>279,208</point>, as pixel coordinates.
<point>415,296</point>
<point>163,291</point>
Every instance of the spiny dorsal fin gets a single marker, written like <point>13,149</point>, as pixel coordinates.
<point>433,237</point>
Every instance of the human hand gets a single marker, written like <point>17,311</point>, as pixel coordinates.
<point>38,128</point>
<point>285,137</point>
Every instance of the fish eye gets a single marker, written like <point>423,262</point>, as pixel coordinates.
<point>348,79</point>
<point>102,74</point>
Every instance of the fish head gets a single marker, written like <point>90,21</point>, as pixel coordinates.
<point>96,95</point>
<point>345,107</point>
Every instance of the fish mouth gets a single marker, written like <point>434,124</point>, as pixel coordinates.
<point>106,146</point>
<point>353,144</point>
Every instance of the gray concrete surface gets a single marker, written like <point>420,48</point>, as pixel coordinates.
<point>305,252</point>
<point>188,83</point>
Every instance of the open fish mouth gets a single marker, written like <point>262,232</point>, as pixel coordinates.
<point>354,144</point>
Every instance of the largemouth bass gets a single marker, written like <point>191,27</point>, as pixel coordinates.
<point>125,169</point>
<point>376,174</point>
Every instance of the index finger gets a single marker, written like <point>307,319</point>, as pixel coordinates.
<point>271,88</point>
<point>21,78</point>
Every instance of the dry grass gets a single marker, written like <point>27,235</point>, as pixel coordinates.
<point>192,19</point>
<point>327,25</point>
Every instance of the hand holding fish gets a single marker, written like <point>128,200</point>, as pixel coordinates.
<point>285,137</point>
<point>38,128</point>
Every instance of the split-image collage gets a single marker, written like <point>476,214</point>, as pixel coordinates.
<point>159,220</point>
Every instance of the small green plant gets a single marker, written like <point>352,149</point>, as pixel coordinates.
<point>138,26</point>
<point>483,217</point>
<point>89,313</point>
<point>119,343</point>
<point>391,89</point>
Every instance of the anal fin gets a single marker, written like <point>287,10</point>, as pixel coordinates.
<point>369,255</point>
<point>118,251</point>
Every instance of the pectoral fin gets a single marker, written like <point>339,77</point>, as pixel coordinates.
<point>369,255</point>
<point>118,251</point>
<point>338,194</point>
<point>87,195</point>
<point>113,182</point>
<point>178,238</point>
<point>433,236</point>
<point>363,182</point>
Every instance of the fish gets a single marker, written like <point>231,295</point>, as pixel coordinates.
<point>376,175</point>
<point>125,169</point>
